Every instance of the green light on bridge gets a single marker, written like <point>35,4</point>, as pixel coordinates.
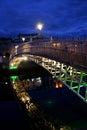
<point>13,78</point>
<point>84,85</point>
<point>13,67</point>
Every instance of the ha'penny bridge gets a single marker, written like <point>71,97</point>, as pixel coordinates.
<point>65,60</point>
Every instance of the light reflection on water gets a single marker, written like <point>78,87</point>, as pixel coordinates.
<point>60,102</point>
<point>32,108</point>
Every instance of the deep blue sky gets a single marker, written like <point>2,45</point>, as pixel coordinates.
<point>58,16</point>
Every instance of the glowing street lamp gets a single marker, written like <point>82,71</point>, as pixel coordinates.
<point>40,26</point>
<point>23,39</point>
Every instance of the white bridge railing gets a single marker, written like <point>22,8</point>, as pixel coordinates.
<point>70,64</point>
<point>69,54</point>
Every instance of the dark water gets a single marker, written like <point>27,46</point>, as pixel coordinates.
<point>60,103</point>
<point>63,104</point>
<point>12,116</point>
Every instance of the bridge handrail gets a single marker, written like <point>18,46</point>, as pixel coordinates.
<point>72,55</point>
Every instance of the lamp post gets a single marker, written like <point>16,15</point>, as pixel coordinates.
<point>39,27</point>
<point>23,39</point>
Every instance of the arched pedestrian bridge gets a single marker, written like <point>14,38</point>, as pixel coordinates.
<point>65,60</point>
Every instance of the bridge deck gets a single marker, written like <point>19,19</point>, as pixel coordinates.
<point>69,52</point>
<point>70,61</point>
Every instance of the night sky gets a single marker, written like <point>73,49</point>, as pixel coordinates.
<point>60,17</point>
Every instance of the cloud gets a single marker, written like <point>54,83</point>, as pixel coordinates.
<point>58,16</point>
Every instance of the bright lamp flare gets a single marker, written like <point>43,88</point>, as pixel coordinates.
<point>40,26</point>
<point>23,39</point>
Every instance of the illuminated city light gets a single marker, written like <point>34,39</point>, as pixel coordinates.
<point>39,26</point>
<point>23,39</point>
<point>16,47</point>
<point>59,85</point>
<point>25,58</point>
<point>13,78</point>
<point>6,83</point>
<point>13,67</point>
<point>4,56</point>
<point>23,99</point>
<point>11,64</point>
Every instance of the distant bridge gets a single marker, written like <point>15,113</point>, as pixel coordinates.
<point>66,61</point>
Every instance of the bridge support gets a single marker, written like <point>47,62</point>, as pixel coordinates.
<point>73,78</point>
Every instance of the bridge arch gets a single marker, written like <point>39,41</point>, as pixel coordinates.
<point>67,65</point>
